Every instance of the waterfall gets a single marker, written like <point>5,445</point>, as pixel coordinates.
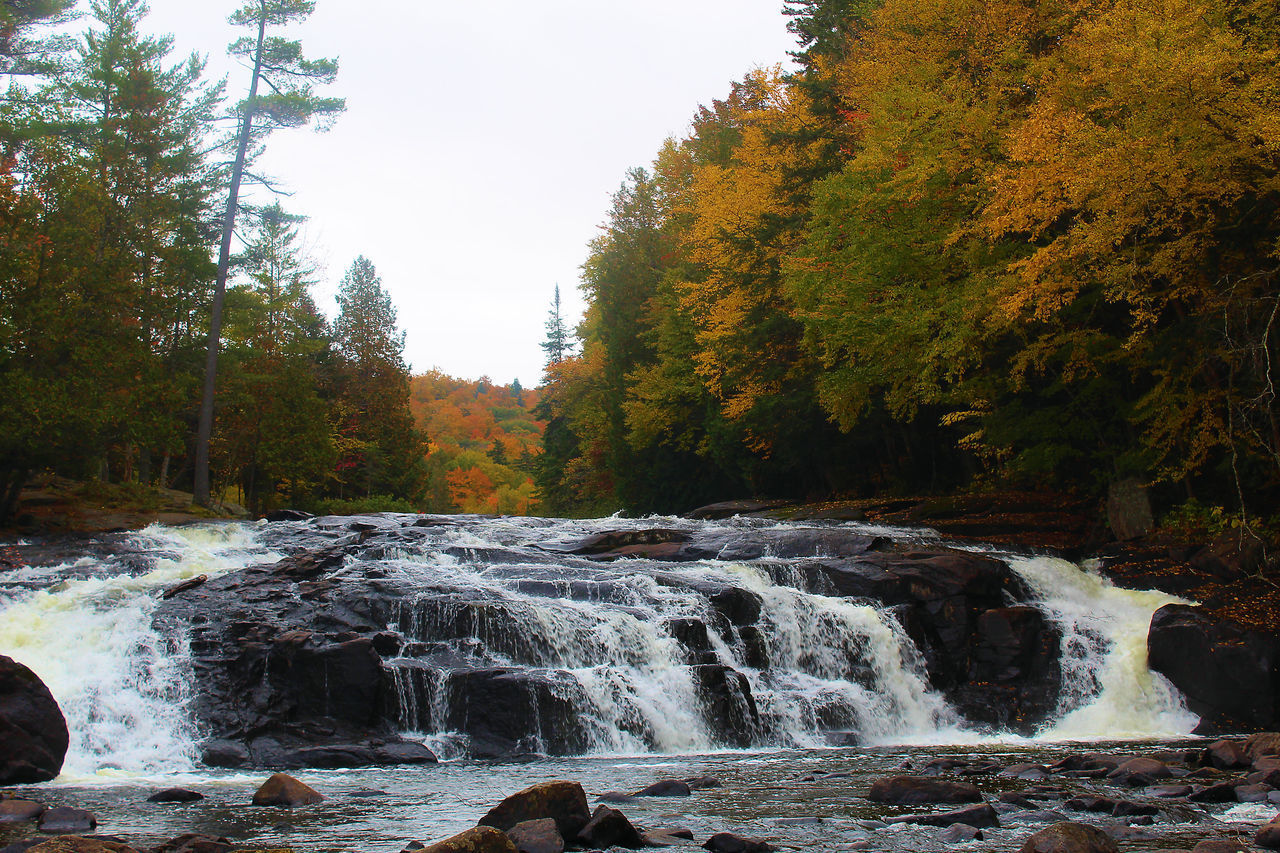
<point>628,656</point>
<point>1108,691</point>
<point>121,685</point>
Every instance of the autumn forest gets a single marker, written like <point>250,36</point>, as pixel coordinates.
<point>956,245</point>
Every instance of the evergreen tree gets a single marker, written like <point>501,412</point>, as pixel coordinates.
<point>556,344</point>
<point>380,450</point>
<point>291,79</point>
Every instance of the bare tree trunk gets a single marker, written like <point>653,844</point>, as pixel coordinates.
<point>205,430</point>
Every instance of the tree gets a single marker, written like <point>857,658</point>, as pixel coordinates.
<point>277,63</point>
<point>556,344</point>
<point>20,53</point>
<point>382,452</point>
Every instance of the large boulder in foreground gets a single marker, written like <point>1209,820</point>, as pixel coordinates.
<point>1229,674</point>
<point>563,802</point>
<point>1069,837</point>
<point>481,839</point>
<point>33,732</point>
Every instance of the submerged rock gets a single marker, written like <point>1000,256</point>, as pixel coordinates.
<point>918,790</point>
<point>65,819</point>
<point>284,790</point>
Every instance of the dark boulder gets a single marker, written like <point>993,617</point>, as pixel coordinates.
<point>979,816</point>
<point>665,788</point>
<point>194,842</point>
<point>728,842</point>
<point>960,833</point>
<point>1229,674</point>
<point>537,836</point>
<point>1070,837</point>
<point>1226,755</point>
<point>18,811</point>
<point>284,790</point>
<point>918,790</point>
<point>506,711</point>
<point>728,705</point>
<point>481,839</point>
<point>33,732</point>
<point>79,844</point>
<point>65,819</point>
<point>563,802</point>
<point>610,828</point>
<point>728,509</point>
<point>1140,771</point>
<point>175,795</point>
<point>1268,835</point>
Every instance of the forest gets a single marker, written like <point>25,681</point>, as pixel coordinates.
<point>115,161</point>
<point>955,245</point>
<point>962,245</point>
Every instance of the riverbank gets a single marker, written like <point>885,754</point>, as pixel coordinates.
<point>52,506</point>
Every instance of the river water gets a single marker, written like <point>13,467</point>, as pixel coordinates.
<point>80,615</point>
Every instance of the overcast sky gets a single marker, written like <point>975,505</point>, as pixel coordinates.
<point>481,144</point>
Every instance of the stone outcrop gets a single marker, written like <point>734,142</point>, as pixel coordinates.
<point>1229,674</point>
<point>33,732</point>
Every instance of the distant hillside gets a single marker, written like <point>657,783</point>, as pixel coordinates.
<point>483,439</point>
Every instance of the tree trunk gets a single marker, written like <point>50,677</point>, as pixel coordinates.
<point>205,430</point>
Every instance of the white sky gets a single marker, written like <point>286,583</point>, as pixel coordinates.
<point>482,142</point>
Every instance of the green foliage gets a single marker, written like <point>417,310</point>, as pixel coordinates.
<point>362,505</point>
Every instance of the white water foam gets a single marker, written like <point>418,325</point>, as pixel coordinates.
<point>121,685</point>
<point>1108,692</point>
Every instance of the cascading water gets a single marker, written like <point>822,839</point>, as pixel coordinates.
<point>735,648</point>
<point>1108,691</point>
<point>85,627</point>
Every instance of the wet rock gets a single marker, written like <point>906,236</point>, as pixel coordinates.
<point>701,782</point>
<point>1228,673</point>
<point>184,586</point>
<point>33,732</point>
<point>979,816</point>
<point>281,789</point>
<point>1029,772</point>
<point>916,790</point>
<point>78,844</point>
<point>673,832</point>
<point>1017,798</point>
<point>1168,792</point>
<point>1092,804</point>
<point>17,811</point>
<point>728,705</point>
<point>617,797</point>
<point>1137,832</point>
<point>617,543</point>
<point>1224,792</point>
<point>505,711</point>
<point>960,833</point>
<point>1036,816</point>
<point>537,836</point>
<point>1140,771</point>
<point>65,819</point>
<point>728,509</point>
<point>194,843</point>
<point>1268,835</point>
<point>1069,837</point>
<point>481,839</point>
<point>1252,793</point>
<point>728,842</point>
<point>610,828</point>
<point>1226,755</point>
<point>1262,744</point>
<point>563,802</point>
<point>1221,845</point>
<point>1128,808</point>
<point>175,795</point>
<point>287,515</point>
<point>666,788</point>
